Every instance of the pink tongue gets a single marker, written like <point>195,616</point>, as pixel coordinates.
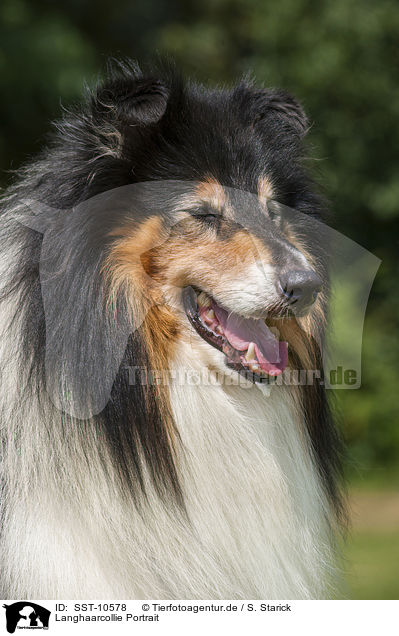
<point>272,355</point>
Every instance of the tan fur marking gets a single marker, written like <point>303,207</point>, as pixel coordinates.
<point>129,268</point>
<point>265,189</point>
<point>125,264</point>
<point>206,261</point>
<point>212,192</point>
<point>247,247</point>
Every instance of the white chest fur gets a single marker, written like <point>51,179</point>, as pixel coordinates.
<point>253,495</point>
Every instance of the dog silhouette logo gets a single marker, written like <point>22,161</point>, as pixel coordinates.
<point>26,615</point>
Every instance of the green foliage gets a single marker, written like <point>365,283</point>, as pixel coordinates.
<point>340,58</point>
<point>371,566</point>
<point>43,60</point>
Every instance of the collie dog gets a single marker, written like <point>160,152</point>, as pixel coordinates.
<point>149,448</point>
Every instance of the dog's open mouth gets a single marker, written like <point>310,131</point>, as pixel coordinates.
<point>249,345</point>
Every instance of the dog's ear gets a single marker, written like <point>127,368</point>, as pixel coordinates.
<point>133,100</point>
<point>290,110</point>
<point>264,104</point>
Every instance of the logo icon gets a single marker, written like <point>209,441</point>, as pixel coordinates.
<point>26,615</point>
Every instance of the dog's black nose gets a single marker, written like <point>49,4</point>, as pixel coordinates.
<point>300,287</point>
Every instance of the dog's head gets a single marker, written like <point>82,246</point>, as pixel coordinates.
<point>202,231</point>
<point>239,252</point>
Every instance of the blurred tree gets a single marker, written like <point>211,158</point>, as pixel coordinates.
<point>340,59</point>
<point>43,60</point>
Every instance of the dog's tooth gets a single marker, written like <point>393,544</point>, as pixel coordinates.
<point>250,355</point>
<point>210,314</point>
<point>219,329</point>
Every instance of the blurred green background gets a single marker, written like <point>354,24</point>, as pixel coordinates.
<point>341,60</point>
